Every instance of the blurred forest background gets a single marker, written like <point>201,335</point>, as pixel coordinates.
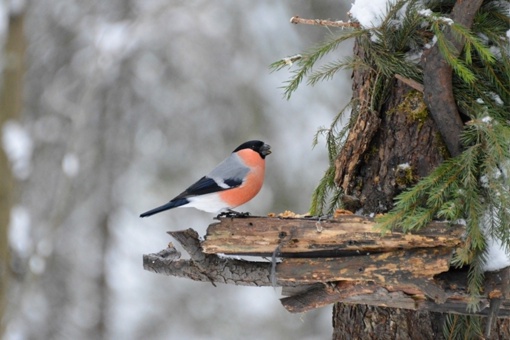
<point>125,103</point>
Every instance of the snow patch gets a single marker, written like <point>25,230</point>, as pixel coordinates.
<point>497,99</point>
<point>370,13</point>
<point>428,13</point>
<point>404,166</point>
<point>432,43</point>
<point>497,256</point>
<point>487,119</point>
<point>19,231</point>
<point>18,147</point>
<point>425,12</point>
<point>71,165</point>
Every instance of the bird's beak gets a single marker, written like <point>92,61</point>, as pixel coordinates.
<point>265,149</point>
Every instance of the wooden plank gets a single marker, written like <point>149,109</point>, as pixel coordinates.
<point>368,293</point>
<point>306,237</point>
<point>323,295</point>
<point>406,270</point>
<point>424,263</point>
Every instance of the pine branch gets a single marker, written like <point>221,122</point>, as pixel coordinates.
<point>327,71</point>
<point>307,61</point>
<point>284,62</point>
<point>327,185</point>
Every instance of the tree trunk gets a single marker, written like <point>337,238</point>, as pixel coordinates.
<point>386,152</point>
<point>401,134</point>
<point>10,104</point>
<point>366,322</point>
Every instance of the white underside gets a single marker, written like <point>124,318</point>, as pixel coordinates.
<point>208,203</point>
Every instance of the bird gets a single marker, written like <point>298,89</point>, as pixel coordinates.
<point>233,182</point>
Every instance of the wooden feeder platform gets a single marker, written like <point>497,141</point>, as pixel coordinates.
<point>319,262</point>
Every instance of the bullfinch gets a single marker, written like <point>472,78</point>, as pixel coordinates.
<point>233,182</point>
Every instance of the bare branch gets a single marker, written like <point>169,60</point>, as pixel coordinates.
<point>205,267</point>
<point>320,22</point>
<point>437,79</point>
<point>410,82</point>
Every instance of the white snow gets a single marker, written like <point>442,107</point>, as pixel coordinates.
<point>432,43</point>
<point>18,147</point>
<point>37,264</point>
<point>370,13</point>
<point>497,99</point>
<point>71,164</point>
<point>414,56</point>
<point>487,119</point>
<point>112,38</point>
<point>428,13</point>
<point>498,256</point>
<point>19,231</point>
<point>425,12</point>
<point>446,20</point>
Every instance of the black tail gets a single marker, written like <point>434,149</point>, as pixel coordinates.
<point>172,204</point>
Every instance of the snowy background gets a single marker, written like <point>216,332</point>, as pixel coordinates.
<point>127,103</point>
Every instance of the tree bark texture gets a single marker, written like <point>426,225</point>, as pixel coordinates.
<point>368,322</point>
<point>403,133</point>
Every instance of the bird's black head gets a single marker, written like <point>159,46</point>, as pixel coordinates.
<point>256,145</point>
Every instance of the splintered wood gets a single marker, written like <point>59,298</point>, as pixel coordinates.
<point>319,262</point>
<point>341,250</point>
<point>304,237</point>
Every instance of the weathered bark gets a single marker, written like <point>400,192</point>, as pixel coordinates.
<point>405,134</point>
<point>309,237</point>
<point>361,133</point>
<point>367,322</point>
<point>10,106</point>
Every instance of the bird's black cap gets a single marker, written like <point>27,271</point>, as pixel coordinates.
<point>262,148</point>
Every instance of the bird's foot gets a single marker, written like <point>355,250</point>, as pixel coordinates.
<point>232,214</point>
